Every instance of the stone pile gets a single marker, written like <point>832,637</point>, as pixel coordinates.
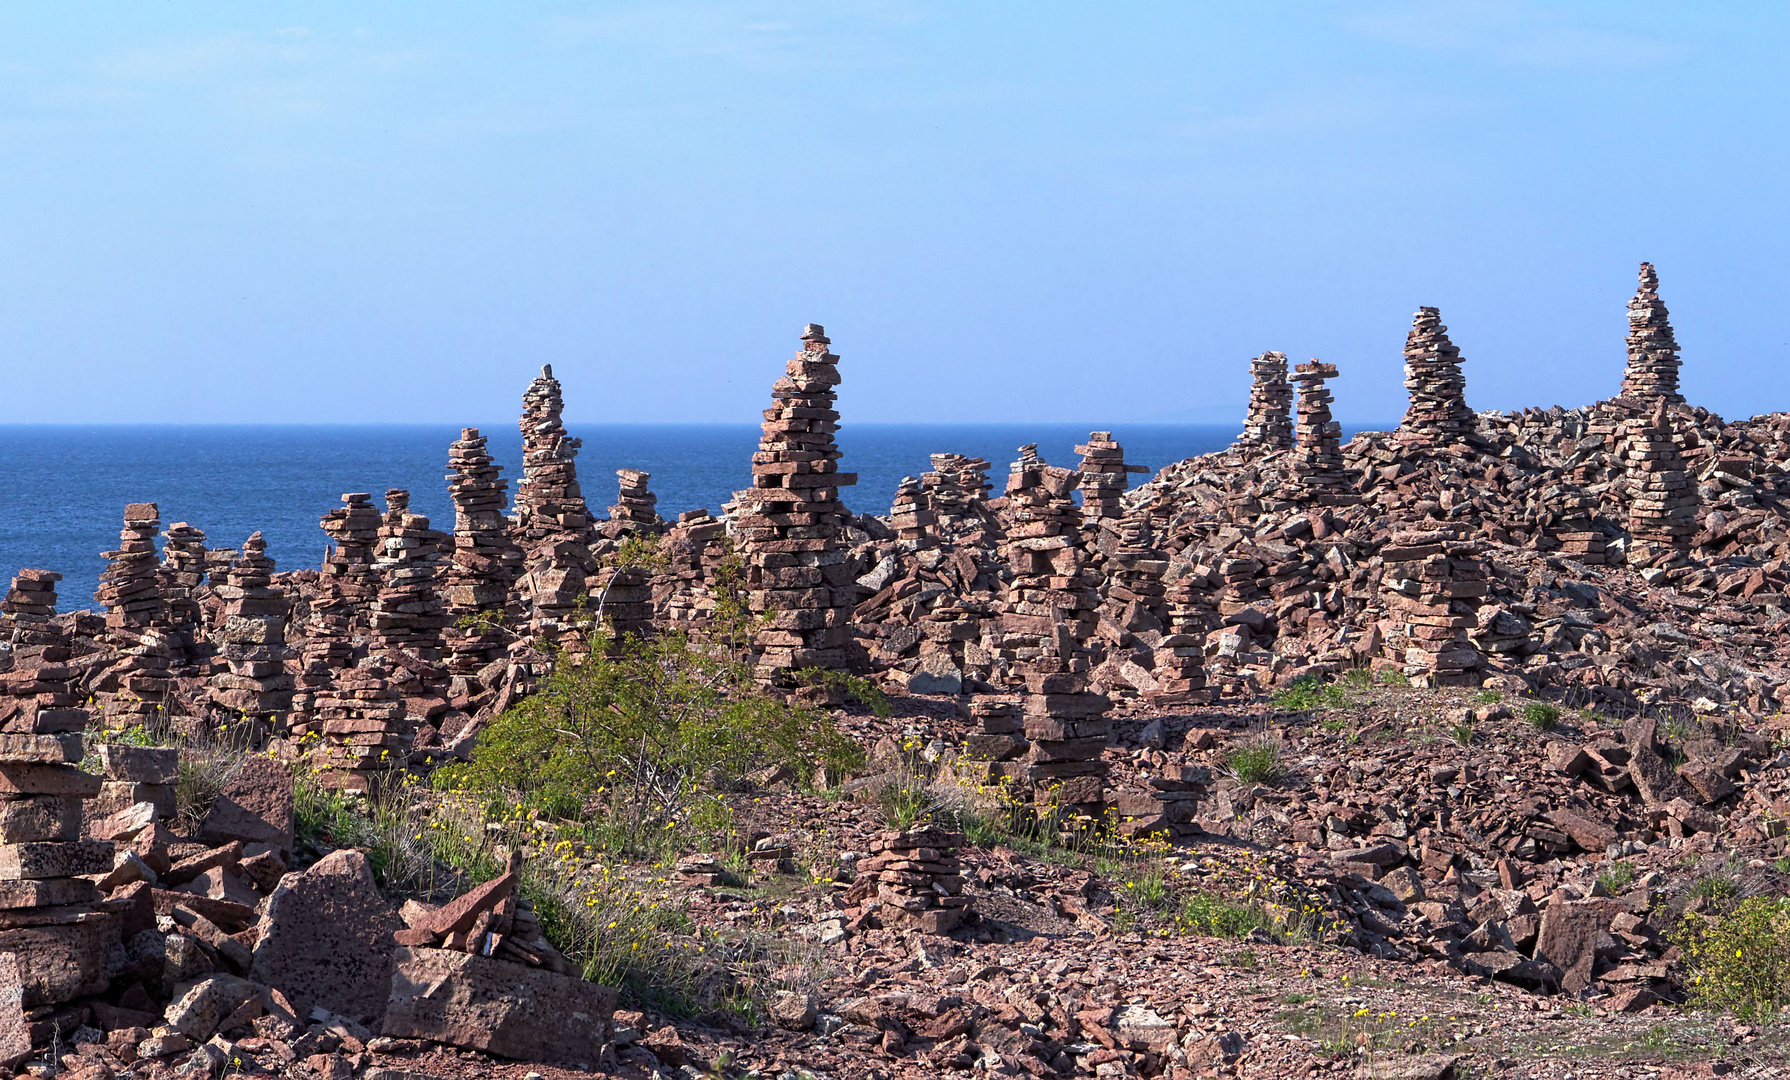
<point>549,501</point>
<point>183,576</point>
<point>636,507</point>
<point>407,614</point>
<point>361,719</point>
<point>490,919</point>
<point>1431,588</point>
<point>1103,476</point>
<point>133,775</point>
<point>1438,414</point>
<point>251,638</point>
<point>485,563</point>
<point>1269,423</point>
<point>956,488</point>
<point>624,596</point>
<point>1317,455</point>
<point>1652,372</point>
<point>788,523</point>
<point>917,880</point>
<point>338,607</point>
<point>1661,496</point>
<point>910,517</point>
<point>1000,740</point>
<point>136,621</point>
<point>1135,596</point>
<point>692,548</point>
<point>29,606</point>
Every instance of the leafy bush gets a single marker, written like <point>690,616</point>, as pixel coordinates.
<point>1311,692</point>
<point>1740,961</point>
<point>1461,733</point>
<point>1257,761</point>
<point>643,736</point>
<point>1541,716</point>
<point>1214,916</point>
<point>1618,879</point>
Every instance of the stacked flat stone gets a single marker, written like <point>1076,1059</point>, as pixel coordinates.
<point>1652,372</point>
<point>1134,592</point>
<point>1431,588</point>
<point>136,621</point>
<point>251,637</point>
<point>693,550</point>
<point>549,501</point>
<point>1269,422</point>
<point>789,522</point>
<point>1661,495</point>
<point>407,616</point>
<point>1000,740</point>
<point>485,562</point>
<point>361,717</point>
<point>1573,530</point>
<point>136,774</point>
<point>636,507</point>
<point>29,606</point>
<point>1048,615</point>
<point>956,487</point>
<point>346,589</point>
<point>1317,454</point>
<point>1438,414</point>
<point>47,915</point>
<point>183,579</point>
<point>1103,477</point>
<point>919,879</point>
<point>625,597</point>
<point>910,517</point>
<point>558,589</point>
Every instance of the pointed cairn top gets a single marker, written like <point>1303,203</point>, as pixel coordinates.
<point>1269,423</point>
<point>1438,415</point>
<point>1653,363</point>
<point>817,333</point>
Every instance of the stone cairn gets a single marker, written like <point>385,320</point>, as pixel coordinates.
<point>1662,497</point>
<point>1049,613</point>
<point>956,487</point>
<point>251,636</point>
<point>361,715</point>
<point>918,879</point>
<point>549,501</point>
<point>407,615</point>
<point>789,522</point>
<point>1000,742</point>
<point>693,551</point>
<point>1269,422</point>
<point>636,507</point>
<point>130,591</point>
<point>1438,414</point>
<point>136,774</point>
<point>183,579</point>
<point>484,563</point>
<point>910,517</point>
<point>1317,459</point>
<point>1652,371</point>
<point>1103,477</point>
<point>29,606</point>
<point>1431,588</point>
<point>345,589</point>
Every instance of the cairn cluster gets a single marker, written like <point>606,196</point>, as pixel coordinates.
<point>957,489</point>
<point>1269,422</point>
<point>1438,414</point>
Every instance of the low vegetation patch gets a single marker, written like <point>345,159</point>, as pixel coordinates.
<point>1740,961</point>
<point>1257,761</point>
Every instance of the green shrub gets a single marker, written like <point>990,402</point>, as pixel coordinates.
<point>1311,692</point>
<point>1461,733</point>
<point>1740,961</point>
<point>1214,916</point>
<point>1488,697</point>
<point>644,737</point>
<point>1393,677</point>
<point>1257,761</point>
<point>1541,716</point>
<point>1618,878</point>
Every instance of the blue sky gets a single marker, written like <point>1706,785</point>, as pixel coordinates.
<point>1004,211</point>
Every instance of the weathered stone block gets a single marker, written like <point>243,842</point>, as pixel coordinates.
<point>142,764</point>
<point>497,1007</point>
<point>326,939</point>
<point>54,860</point>
<point>31,818</point>
<point>255,807</point>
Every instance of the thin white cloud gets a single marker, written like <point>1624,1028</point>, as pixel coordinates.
<point>1517,33</point>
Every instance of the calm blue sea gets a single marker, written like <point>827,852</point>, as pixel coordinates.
<point>63,487</point>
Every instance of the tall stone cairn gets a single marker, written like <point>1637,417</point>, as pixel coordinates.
<point>1103,477</point>
<point>636,508</point>
<point>183,578</point>
<point>1317,453</point>
<point>911,517</point>
<point>485,562</point>
<point>1049,613</point>
<point>1269,422</point>
<point>549,501</point>
<point>1652,371</point>
<point>251,637</point>
<point>361,715</point>
<point>1431,589</point>
<point>788,523</point>
<point>136,621</point>
<point>1662,497</point>
<point>346,588</point>
<point>1438,414</point>
<point>408,615</point>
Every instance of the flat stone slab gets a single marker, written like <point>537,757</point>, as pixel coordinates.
<point>40,749</point>
<point>326,939</point>
<point>20,862</point>
<point>142,764</point>
<point>27,819</point>
<point>498,1007</point>
<point>48,780</point>
<point>256,807</point>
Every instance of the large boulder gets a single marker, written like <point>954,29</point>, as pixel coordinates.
<point>326,939</point>
<point>498,1007</point>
